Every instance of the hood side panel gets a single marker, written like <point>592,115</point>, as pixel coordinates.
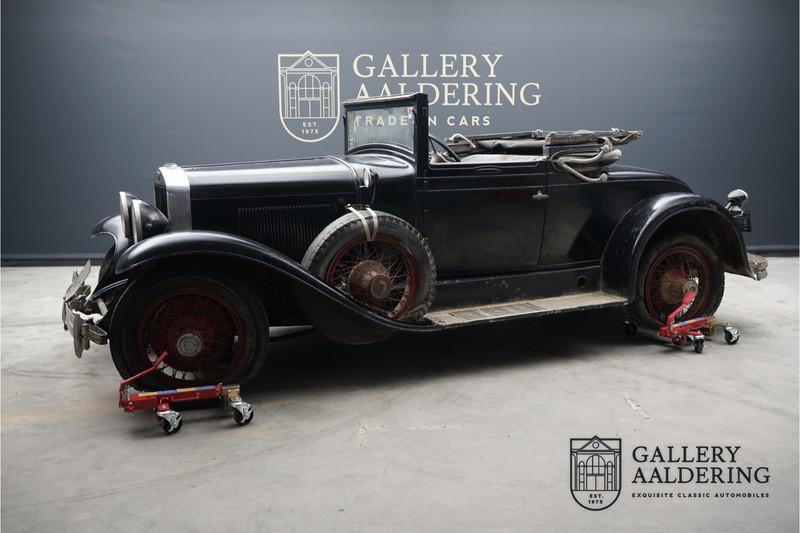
<point>282,204</point>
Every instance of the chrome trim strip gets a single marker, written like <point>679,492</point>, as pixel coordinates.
<point>179,202</point>
<point>136,220</point>
<point>125,214</point>
<point>345,163</point>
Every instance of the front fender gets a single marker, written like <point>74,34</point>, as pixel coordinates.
<point>107,283</point>
<point>330,311</point>
<point>620,261</point>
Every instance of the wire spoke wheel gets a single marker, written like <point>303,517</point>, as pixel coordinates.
<point>667,276</point>
<point>200,330</point>
<point>379,261</point>
<point>381,274</point>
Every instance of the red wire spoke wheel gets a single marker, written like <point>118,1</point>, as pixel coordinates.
<point>201,331</point>
<point>668,275</point>
<point>667,265</point>
<point>382,274</point>
<point>391,271</point>
<point>212,325</point>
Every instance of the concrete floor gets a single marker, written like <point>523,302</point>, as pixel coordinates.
<point>463,431</point>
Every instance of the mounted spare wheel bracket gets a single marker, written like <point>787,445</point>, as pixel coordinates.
<point>364,184</point>
<point>371,233</point>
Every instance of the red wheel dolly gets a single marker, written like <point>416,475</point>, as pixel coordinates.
<point>161,401</point>
<point>692,331</point>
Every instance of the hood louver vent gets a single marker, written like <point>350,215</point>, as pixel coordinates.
<point>287,228</point>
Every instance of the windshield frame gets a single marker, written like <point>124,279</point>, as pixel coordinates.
<point>418,101</point>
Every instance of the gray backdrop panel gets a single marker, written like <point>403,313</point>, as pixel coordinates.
<point>96,94</point>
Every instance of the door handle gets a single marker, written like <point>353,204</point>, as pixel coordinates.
<point>540,195</point>
<point>488,170</point>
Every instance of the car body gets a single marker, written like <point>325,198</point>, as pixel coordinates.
<point>492,227</point>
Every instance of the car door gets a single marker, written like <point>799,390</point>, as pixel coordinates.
<point>582,216</point>
<point>483,218</point>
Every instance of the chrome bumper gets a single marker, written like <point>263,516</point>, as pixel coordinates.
<point>81,315</point>
<point>759,265</point>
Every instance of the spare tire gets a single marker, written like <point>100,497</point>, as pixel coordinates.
<point>377,259</point>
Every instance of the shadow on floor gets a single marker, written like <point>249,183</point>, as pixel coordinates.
<point>313,362</point>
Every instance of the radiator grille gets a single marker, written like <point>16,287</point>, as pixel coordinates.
<point>287,228</point>
<point>161,199</point>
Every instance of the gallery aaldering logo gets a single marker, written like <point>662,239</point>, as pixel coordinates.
<point>595,471</point>
<point>678,472</point>
<point>464,89</point>
<point>309,94</point>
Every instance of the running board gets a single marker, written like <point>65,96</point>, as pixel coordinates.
<point>462,316</point>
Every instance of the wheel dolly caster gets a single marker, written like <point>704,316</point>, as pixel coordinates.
<point>171,421</point>
<point>692,331</point>
<point>731,334</point>
<point>242,411</point>
<point>699,345</point>
<point>161,401</point>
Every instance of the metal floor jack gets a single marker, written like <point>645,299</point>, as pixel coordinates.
<point>161,401</point>
<point>692,331</point>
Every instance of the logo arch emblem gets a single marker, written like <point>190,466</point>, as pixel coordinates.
<point>595,469</point>
<point>308,89</point>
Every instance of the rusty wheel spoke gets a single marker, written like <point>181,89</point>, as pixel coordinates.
<point>210,323</point>
<point>666,279</point>
<point>380,274</point>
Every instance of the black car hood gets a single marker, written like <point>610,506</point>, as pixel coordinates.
<point>289,177</point>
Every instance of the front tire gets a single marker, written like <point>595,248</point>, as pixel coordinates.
<point>213,327</point>
<point>667,265</point>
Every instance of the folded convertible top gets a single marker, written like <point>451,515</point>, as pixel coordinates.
<point>535,142</point>
<point>581,153</point>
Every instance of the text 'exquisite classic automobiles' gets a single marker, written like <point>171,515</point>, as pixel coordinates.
<point>402,233</point>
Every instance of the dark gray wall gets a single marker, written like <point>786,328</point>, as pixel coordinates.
<point>97,93</point>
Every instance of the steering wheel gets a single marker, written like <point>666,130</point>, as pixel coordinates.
<point>434,141</point>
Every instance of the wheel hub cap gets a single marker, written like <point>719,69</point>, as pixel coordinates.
<point>672,284</point>
<point>189,344</point>
<point>370,280</point>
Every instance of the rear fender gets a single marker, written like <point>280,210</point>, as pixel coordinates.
<point>672,211</point>
<point>330,311</point>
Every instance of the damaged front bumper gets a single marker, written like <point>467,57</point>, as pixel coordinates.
<point>81,314</point>
<point>758,264</point>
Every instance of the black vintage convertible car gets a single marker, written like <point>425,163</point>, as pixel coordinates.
<point>403,233</point>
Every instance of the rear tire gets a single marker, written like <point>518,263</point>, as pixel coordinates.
<point>668,263</point>
<point>213,327</point>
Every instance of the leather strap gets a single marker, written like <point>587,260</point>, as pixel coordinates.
<point>370,233</point>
